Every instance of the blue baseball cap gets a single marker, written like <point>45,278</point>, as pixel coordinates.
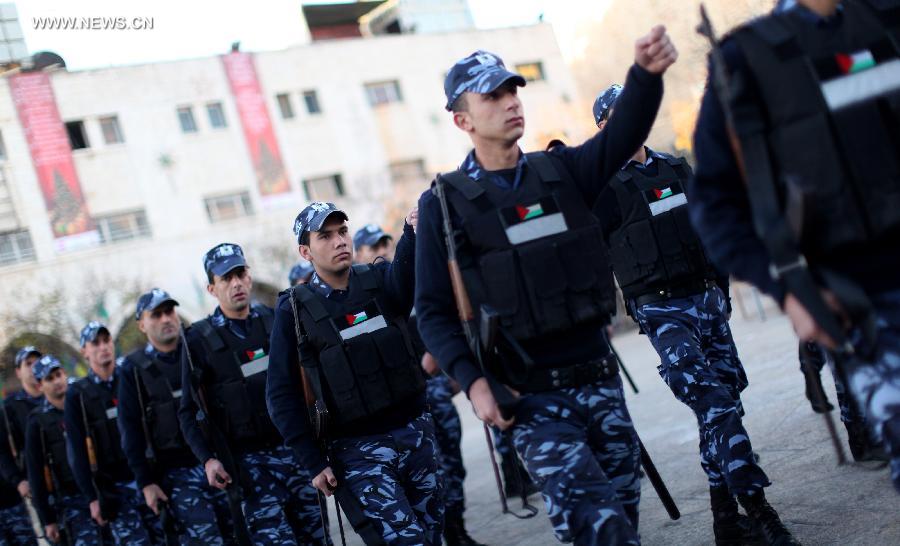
<point>222,258</point>
<point>91,330</point>
<point>313,216</point>
<point>605,101</point>
<point>369,234</point>
<point>299,272</point>
<point>149,301</point>
<point>481,72</point>
<point>24,353</point>
<point>44,366</point>
<point>784,5</point>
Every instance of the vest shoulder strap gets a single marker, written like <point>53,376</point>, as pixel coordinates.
<point>267,315</point>
<point>772,30</point>
<point>463,184</point>
<point>365,274</point>
<point>312,304</point>
<point>209,335</point>
<point>141,360</point>
<point>544,166</point>
<point>623,176</point>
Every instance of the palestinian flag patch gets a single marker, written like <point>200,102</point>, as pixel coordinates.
<point>254,355</point>
<point>855,62</point>
<point>664,199</point>
<point>857,76</point>
<point>257,362</point>
<point>527,222</point>
<point>356,324</point>
<point>663,193</point>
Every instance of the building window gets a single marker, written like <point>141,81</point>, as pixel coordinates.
<point>324,188</point>
<point>186,119</point>
<point>311,98</point>
<point>412,171</point>
<point>77,137</point>
<point>285,106</point>
<point>383,92</point>
<point>532,72</point>
<point>15,247</point>
<point>123,227</point>
<point>112,133</point>
<point>227,207</point>
<point>216,115</point>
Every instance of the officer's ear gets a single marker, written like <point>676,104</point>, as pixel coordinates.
<point>140,324</point>
<point>463,120</point>
<point>305,253</point>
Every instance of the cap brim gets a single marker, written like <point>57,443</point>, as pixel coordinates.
<point>222,268</point>
<point>497,79</point>
<point>317,222</point>
<point>152,308</point>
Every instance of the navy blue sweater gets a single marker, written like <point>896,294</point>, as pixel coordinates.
<point>591,164</point>
<point>283,395</point>
<point>720,207</point>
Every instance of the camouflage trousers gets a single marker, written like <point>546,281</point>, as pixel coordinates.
<point>580,447</point>
<point>15,527</point>
<point>134,524</point>
<point>699,362</point>
<point>283,508</point>
<point>394,477</point>
<point>198,506</point>
<point>78,521</point>
<point>874,380</point>
<point>448,432</point>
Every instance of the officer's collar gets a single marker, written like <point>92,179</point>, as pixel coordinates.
<point>814,17</point>
<point>96,378</point>
<point>324,288</point>
<point>47,406</point>
<point>218,318</point>
<point>473,169</point>
<point>154,354</point>
<point>22,394</point>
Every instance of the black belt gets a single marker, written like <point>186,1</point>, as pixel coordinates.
<point>548,379</point>
<point>680,291</point>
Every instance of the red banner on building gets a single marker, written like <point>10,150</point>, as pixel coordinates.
<point>258,132</point>
<point>51,155</point>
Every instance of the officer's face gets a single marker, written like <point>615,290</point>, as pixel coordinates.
<point>330,249</point>
<point>54,385</point>
<point>101,352</point>
<point>160,325</point>
<point>25,374</point>
<point>495,116</point>
<point>233,289</point>
<point>384,248</point>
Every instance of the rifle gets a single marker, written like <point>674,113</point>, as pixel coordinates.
<point>318,416</point>
<point>20,463</point>
<point>51,480</point>
<point>220,448</point>
<point>167,521</point>
<point>505,399</point>
<point>621,364</point>
<point>105,510</point>
<point>788,265</point>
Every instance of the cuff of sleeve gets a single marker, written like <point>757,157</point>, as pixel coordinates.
<point>640,75</point>
<point>408,230</point>
<point>465,373</point>
<point>143,477</point>
<point>310,459</point>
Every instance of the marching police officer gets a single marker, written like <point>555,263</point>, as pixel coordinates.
<point>300,273</point>
<point>15,523</point>
<point>371,242</point>
<point>812,90</point>
<point>358,361</point>
<point>60,505</point>
<point>92,432</point>
<point>532,259</point>
<point>680,302</point>
<point>228,362</point>
<point>150,391</point>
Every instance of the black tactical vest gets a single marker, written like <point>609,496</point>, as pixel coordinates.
<point>832,120</point>
<point>237,383</point>
<point>366,358</point>
<point>534,254</point>
<point>655,247</point>
<point>51,431</point>
<point>101,409</point>
<point>17,416</point>
<point>161,399</point>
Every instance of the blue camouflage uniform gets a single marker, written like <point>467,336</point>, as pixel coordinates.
<point>722,214</point>
<point>67,507</point>
<point>15,523</point>
<point>448,433</point>
<point>198,506</point>
<point>385,464</point>
<point>578,443</point>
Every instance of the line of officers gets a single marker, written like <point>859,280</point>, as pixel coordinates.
<point>517,319</point>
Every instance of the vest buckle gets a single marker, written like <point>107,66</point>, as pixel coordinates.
<point>778,271</point>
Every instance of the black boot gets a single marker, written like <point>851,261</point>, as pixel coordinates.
<point>861,446</point>
<point>455,532</point>
<point>765,521</point>
<point>730,527</point>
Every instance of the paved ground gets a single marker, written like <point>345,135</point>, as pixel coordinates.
<point>821,502</point>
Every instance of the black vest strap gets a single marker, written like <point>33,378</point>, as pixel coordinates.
<point>463,184</point>
<point>312,304</point>
<point>212,338</point>
<point>268,317</point>
<point>544,167</point>
<point>366,276</point>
